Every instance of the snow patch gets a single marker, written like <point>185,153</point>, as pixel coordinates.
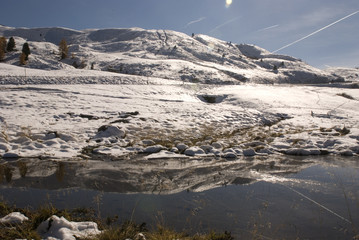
<point>60,228</point>
<point>194,151</point>
<point>13,218</point>
<point>109,131</point>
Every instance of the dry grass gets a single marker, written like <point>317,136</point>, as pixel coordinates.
<point>130,230</point>
<point>127,230</point>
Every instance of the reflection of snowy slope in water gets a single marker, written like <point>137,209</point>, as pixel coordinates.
<point>142,175</point>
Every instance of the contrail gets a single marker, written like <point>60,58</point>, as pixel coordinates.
<point>267,28</point>
<point>223,24</point>
<point>195,21</point>
<point>323,28</point>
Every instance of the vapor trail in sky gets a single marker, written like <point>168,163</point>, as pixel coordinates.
<point>223,24</point>
<point>195,21</point>
<point>323,28</point>
<point>267,28</point>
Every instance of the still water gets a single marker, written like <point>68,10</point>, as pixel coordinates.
<point>255,198</point>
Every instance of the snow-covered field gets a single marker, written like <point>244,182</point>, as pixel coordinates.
<point>69,121</point>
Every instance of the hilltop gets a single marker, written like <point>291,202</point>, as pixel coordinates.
<point>129,55</point>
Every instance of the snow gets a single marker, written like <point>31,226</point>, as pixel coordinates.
<point>146,99</point>
<point>56,227</point>
<point>192,151</point>
<point>153,149</point>
<point>13,218</point>
<point>60,121</point>
<point>350,74</point>
<point>111,55</point>
<point>60,228</point>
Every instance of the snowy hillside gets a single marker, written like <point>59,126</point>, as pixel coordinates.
<point>111,55</point>
<point>349,74</point>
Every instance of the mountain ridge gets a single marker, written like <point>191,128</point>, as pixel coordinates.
<point>163,54</point>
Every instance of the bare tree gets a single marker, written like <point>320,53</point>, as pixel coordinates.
<point>22,58</point>
<point>63,49</point>
<point>2,48</point>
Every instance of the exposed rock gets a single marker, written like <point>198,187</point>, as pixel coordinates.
<point>110,131</point>
<point>192,151</point>
<point>181,147</point>
<point>10,155</point>
<point>230,155</point>
<point>217,145</point>
<point>153,149</point>
<point>249,152</point>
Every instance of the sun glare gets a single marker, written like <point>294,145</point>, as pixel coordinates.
<point>228,3</point>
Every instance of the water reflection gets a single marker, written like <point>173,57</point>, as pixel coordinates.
<point>260,198</point>
<point>22,168</point>
<point>60,171</point>
<point>6,172</point>
<point>142,175</point>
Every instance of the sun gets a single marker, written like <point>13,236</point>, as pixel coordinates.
<point>228,3</point>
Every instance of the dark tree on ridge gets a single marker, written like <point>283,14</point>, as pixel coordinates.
<point>11,45</point>
<point>26,50</point>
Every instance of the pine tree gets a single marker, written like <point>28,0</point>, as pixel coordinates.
<point>63,49</point>
<point>2,48</point>
<point>11,45</point>
<point>26,50</point>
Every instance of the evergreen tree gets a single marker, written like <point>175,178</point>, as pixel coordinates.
<point>26,50</point>
<point>2,48</point>
<point>11,45</point>
<point>63,49</point>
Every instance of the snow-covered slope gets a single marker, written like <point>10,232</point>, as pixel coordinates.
<point>151,53</point>
<point>349,74</point>
<point>169,138</point>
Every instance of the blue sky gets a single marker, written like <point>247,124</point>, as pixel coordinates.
<point>271,24</point>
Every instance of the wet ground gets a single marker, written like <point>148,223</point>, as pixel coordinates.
<point>264,198</point>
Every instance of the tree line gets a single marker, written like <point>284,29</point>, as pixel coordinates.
<point>10,46</point>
